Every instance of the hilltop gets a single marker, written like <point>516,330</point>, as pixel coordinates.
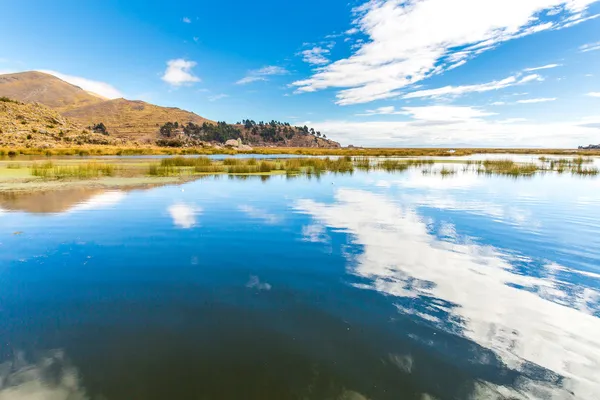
<point>33,86</point>
<point>133,121</point>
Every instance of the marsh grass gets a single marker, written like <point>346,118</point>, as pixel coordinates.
<point>48,170</point>
<point>585,171</point>
<point>507,167</point>
<point>447,171</point>
<point>14,166</point>
<point>185,162</point>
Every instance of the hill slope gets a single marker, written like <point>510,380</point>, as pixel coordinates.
<point>131,119</point>
<point>46,89</point>
<point>35,125</point>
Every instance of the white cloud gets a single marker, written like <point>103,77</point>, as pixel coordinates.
<point>261,74</point>
<point>187,20</point>
<point>315,56</point>
<point>429,128</point>
<point>184,215</point>
<point>446,113</point>
<point>542,67</point>
<point>179,72</point>
<point>102,88</point>
<point>498,103</point>
<point>351,31</point>
<point>590,47</point>
<point>404,49</point>
<point>538,100</point>
<point>511,120</point>
<point>594,94</point>
<point>218,97</point>
<point>478,88</point>
<point>387,110</point>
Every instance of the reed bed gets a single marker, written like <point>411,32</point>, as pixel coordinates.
<point>48,170</point>
<point>185,162</point>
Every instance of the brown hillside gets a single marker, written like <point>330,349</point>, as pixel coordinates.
<point>35,125</point>
<point>33,86</point>
<point>131,119</point>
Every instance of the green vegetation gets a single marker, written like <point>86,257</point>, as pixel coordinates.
<point>99,128</point>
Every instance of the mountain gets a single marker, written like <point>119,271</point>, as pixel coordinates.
<point>46,89</point>
<point>126,119</point>
<point>129,120</point>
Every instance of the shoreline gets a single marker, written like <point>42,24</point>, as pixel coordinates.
<point>83,151</point>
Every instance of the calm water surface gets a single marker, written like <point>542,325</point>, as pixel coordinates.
<point>363,286</point>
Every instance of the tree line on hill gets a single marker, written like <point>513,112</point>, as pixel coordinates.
<point>249,130</point>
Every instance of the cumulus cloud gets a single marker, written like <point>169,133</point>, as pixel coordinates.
<point>594,94</point>
<point>179,72</point>
<point>187,20</point>
<point>549,66</point>
<point>315,56</point>
<point>403,48</point>
<point>184,215</point>
<point>478,88</point>
<point>589,47</point>
<point>262,74</point>
<point>538,100</point>
<point>102,88</point>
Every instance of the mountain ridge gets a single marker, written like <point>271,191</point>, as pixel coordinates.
<point>139,121</point>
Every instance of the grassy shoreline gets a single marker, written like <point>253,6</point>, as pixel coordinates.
<point>398,152</point>
<point>17,175</point>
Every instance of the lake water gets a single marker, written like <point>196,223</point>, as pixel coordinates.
<point>364,286</point>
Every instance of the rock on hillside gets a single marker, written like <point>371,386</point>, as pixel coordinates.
<point>35,125</point>
<point>131,119</point>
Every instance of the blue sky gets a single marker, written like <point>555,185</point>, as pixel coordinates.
<point>379,73</point>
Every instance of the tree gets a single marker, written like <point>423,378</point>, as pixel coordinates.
<point>99,128</point>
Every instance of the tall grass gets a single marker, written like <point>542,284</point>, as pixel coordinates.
<point>48,170</point>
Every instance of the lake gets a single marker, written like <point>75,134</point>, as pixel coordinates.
<point>371,285</point>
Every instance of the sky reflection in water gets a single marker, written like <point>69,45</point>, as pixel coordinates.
<point>350,287</point>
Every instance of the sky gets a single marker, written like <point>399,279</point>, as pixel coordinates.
<point>382,73</point>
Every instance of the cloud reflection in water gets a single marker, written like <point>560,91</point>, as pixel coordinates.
<point>487,301</point>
